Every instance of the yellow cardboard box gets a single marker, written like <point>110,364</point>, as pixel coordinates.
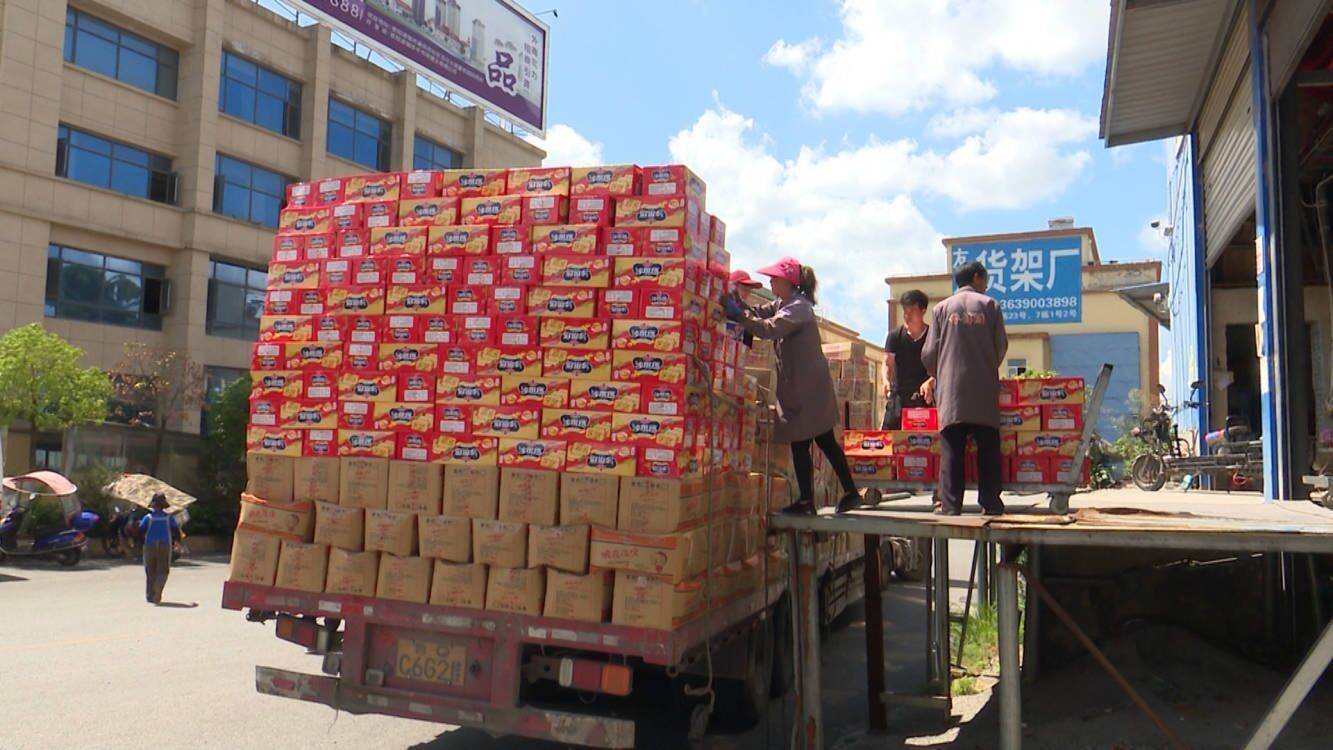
<point>562,547</point>
<point>352,573</point>
<point>677,556</point>
<point>406,579</point>
<point>302,566</point>
<point>648,601</point>
<point>500,543</point>
<point>363,482</point>
<point>293,521</point>
<point>658,506</point>
<point>446,538</point>
<point>529,496</point>
<point>340,526</point>
<point>391,531</point>
<point>254,557</point>
<point>317,479</point>
<point>589,499</point>
<point>415,487</point>
<point>455,585</point>
<point>471,491</point>
<point>269,476</point>
<point>517,590</point>
<point>570,596</point>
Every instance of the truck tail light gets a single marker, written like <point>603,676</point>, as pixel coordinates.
<point>595,677</point>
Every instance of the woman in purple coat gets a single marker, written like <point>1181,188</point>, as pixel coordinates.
<point>807,405</point>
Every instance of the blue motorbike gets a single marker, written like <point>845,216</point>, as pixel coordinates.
<point>41,516</point>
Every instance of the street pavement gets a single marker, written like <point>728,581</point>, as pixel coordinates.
<point>85,661</point>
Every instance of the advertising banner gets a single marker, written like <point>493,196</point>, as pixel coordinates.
<point>490,50</point>
<point>1036,281</point>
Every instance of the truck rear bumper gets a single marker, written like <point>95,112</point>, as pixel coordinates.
<point>534,723</point>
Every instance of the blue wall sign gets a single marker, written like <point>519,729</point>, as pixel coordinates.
<point>1036,281</point>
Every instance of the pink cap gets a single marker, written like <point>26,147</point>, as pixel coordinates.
<point>741,278</point>
<point>787,268</point>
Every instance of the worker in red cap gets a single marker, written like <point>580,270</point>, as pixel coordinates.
<point>741,284</point>
<point>807,405</point>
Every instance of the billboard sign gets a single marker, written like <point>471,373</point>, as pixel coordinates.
<point>490,50</point>
<point>1036,280</point>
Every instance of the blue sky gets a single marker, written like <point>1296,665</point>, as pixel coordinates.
<point>856,133</point>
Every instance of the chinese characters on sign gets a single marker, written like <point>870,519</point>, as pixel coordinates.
<point>1034,280</point>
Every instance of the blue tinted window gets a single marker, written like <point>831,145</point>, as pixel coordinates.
<point>246,192</point>
<point>102,48</point>
<point>235,300</point>
<point>428,154</point>
<point>260,96</point>
<point>358,136</point>
<point>82,285</point>
<point>98,161</point>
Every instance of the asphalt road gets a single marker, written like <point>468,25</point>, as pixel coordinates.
<point>85,661</point>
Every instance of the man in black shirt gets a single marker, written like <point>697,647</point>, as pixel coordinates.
<point>906,381</point>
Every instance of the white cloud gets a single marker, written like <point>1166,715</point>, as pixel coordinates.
<point>565,146</point>
<point>883,64</point>
<point>794,57</point>
<point>1154,241</point>
<point>960,122</point>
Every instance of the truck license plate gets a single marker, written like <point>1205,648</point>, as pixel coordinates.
<point>431,662</point>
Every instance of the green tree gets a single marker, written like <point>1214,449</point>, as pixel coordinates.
<point>43,383</point>
<point>224,458</point>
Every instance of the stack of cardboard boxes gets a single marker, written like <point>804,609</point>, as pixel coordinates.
<point>1041,423</point>
<point>503,389</point>
<point>857,381</point>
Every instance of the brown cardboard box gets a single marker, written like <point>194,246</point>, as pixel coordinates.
<point>340,526</point>
<point>658,506</point>
<point>579,597</point>
<point>415,487</point>
<point>563,547</point>
<point>391,531</point>
<point>677,556</point>
<point>292,521</point>
<point>455,585</point>
<point>517,590</point>
<point>363,482</point>
<point>352,573</point>
<point>269,476</point>
<point>590,499</point>
<point>302,566</point>
<point>647,601</point>
<point>317,479</point>
<point>780,495</point>
<point>446,538</point>
<point>471,491</point>
<point>254,557</point>
<point>500,543</point>
<point>529,496</point>
<point>406,579</point>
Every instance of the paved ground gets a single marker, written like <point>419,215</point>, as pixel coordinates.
<point>85,661</point>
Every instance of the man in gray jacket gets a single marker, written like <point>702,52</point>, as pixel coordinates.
<point>963,351</point>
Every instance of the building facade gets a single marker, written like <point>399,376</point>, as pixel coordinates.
<point>1111,330</point>
<point>144,152</point>
<point>1243,87</point>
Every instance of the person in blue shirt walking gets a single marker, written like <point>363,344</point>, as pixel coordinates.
<point>158,530</point>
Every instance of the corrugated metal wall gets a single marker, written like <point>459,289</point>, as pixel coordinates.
<point>1083,354</point>
<point>1188,297</point>
<point>1226,143</point>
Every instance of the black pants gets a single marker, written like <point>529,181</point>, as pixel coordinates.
<point>953,449</point>
<point>805,467</point>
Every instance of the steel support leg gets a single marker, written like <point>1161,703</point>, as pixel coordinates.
<point>1011,714</point>
<point>984,573</point>
<point>1032,620</point>
<point>874,611</point>
<point>1306,675</point>
<point>809,730</point>
<point>940,627</point>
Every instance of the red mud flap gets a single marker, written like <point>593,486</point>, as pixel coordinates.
<point>534,723</point>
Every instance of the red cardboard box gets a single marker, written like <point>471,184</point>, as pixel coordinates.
<point>308,415</point>
<point>428,212</point>
<point>511,239</point>
<point>373,188</point>
<point>509,360</point>
<point>479,451</point>
<point>571,239</point>
<point>518,453</point>
<point>520,269</point>
<point>1050,391</point>
<point>539,181</point>
<point>499,209</point>
<point>421,183</point>
<point>399,240</point>
<point>471,390</point>
<point>604,395</point>
<point>668,273</point>
<point>301,195</point>
<point>905,441</point>
<point>570,302</point>
<point>468,300</point>
<point>648,430</point>
<point>719,260</point>
<point>619,303</point>
<point>399,415</point>
<point>666,399</point>
<point>920,418</point>
<point>264,410</point>
<point>359,386</point>
<point>1030,469</point>
<point>435,329</point>
<point>351,243</point>
<point>471,183</point>
<point>545,209</point>
<point>348,216</point>
<point>593,364</point>
<point>288,248</point>
<point>294,302</point>
<point>457,359</point>
<point>416,300</point>
<point>320,384</point>
<point>509,299</point>
<point>1062,417</point>
<point>311,355</point>
<point>284,328</point>
<point>320,444</point>
<point>590,210</point>
<point>640,366</point>
<point>506,421</point>
<point>341,272</point>
<point>648,335</point>
<point>444,270</point>
<point>329,190</point>
<point>600,458</point>
<point>416,387</point>
<point>517,330</point>
<point>361,300</point>
<point>371,443</point>
<point>572,424</point>
<point>453,419</point>
<point>1048,443</point>
<point>273,442</point>
<point>415,446</point>
<point>873,468</point>
<point>667,463</point>
<point>619,241</point>
<point>867,442</point>
<point>409,357</point>
<point>481,270</point>
<point>330,327</point>
<point>459,239</point>
<point>669,242</point>
<point>303,275</point>
<point>319,246</point>
<point>546,393</point>
<point>278,384</point>
<point>661,303</point>
<point>654,211</point>
<point>672,179</point>
<point>1058,468</point>
<point>406,270</point>
<point>575,333</point>
<point>1020,419</point>
<point>614,179</point>
<point>917,468</point>
<point>316,220</point>
<point>380,214</point>
<point>362,357</point>
<point>576,271</point>
<point>355,415</point>
<point>400,329</point>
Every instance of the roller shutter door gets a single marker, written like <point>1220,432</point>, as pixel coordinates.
<point>1226,144</point>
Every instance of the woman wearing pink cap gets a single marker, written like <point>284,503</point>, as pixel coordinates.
<point>807,405</point>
